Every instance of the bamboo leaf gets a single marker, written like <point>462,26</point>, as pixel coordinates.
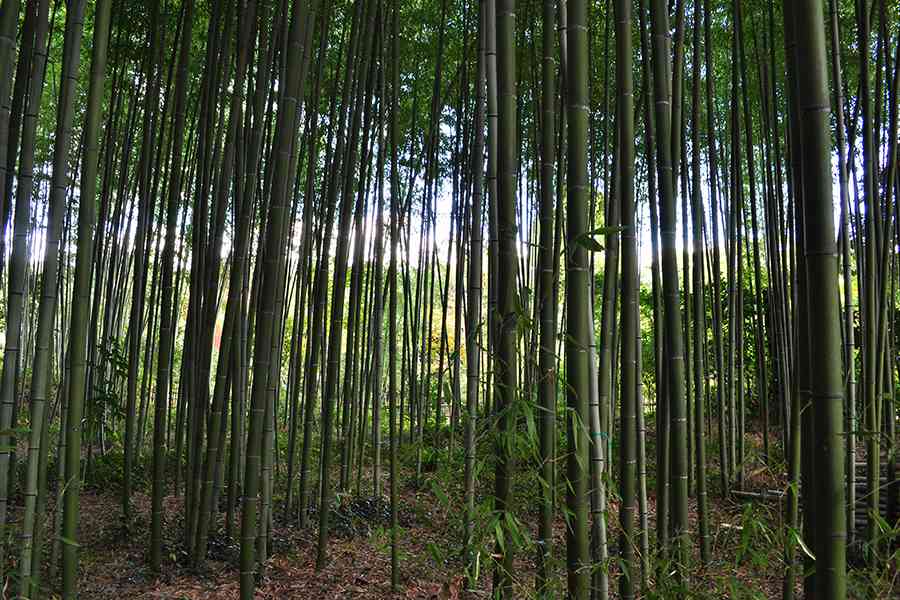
<point>587,242</point>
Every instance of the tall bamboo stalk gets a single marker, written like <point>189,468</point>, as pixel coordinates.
<point>630,307</point>
<point>827,389</point>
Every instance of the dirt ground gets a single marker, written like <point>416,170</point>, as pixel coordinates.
<point>744,535</point>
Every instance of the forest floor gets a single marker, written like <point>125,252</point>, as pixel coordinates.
<point>744,534</point>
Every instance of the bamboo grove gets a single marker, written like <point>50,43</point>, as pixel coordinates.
<point>602,261</point>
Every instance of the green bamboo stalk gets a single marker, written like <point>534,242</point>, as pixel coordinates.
<point>505,362</point>
<point>799,392</point>
<point>377,318</point>
<point>274,242</point>
<point>228,341</point>
<point>699,308</point>
<point>849,326</point>
<point>674,342</point>
<point>392,279</point>
<point>81,299</point>
<point>547,302</point>
<point>15,307</point>
<point>870,309</point>
<point>167,325</point>
<point>578,316</point>
<point>40,374</point>
<point>712,166</point>
<point>630,309</point>
<point>145,212</point>
<point>827,388</point>
<point>9,22</point>
<point>335,331</point>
